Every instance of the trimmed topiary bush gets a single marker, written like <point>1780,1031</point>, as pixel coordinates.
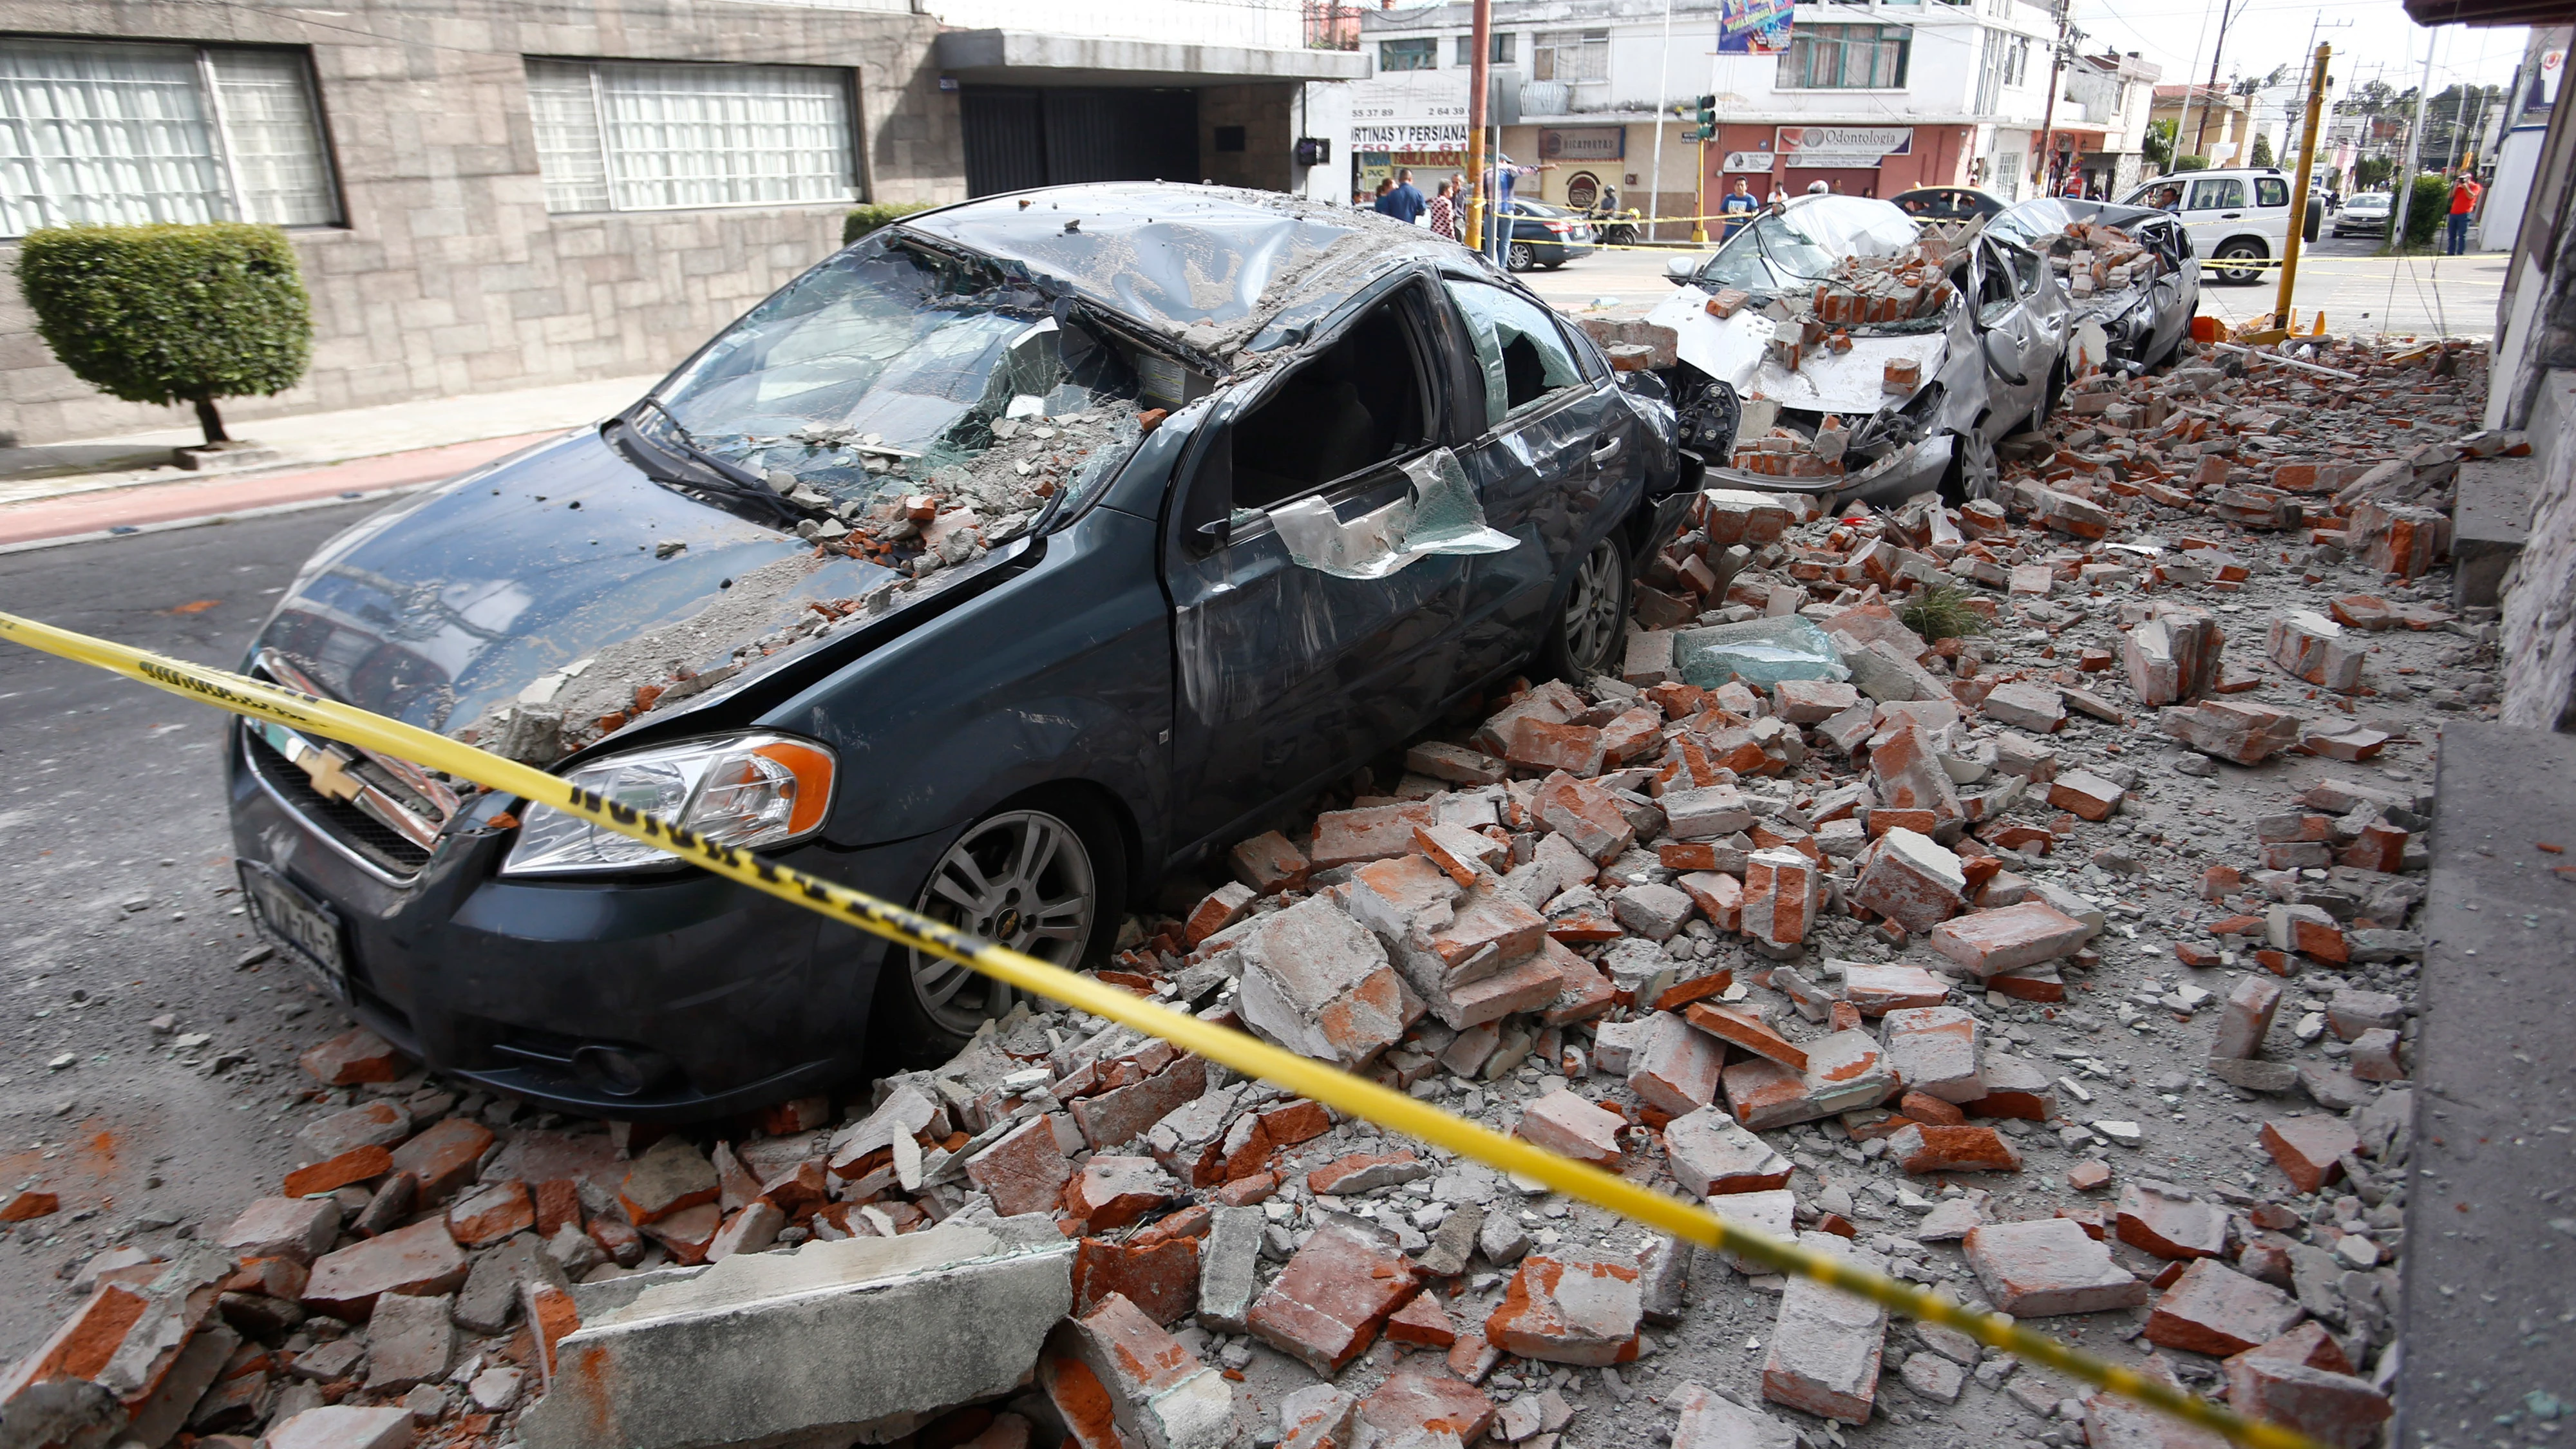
<point>865,219</point>
<point>168,314</point>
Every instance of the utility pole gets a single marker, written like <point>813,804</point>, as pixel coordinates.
<point>2048,115</point>
<point>1480,78</point>
<point>2226,14</point>
<point>2414,152</point>
<point>1663,99</point>
<point>2299,189</point>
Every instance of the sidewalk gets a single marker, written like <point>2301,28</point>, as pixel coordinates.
<point>75,489</point>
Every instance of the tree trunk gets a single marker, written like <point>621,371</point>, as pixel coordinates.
<point>211,421</point>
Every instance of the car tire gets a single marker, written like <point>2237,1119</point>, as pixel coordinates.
<point>1056,848</point>
<point>1590,626</point>
<point>1519,257</point>
<point>1975,473</point>
<point>2239,251</point>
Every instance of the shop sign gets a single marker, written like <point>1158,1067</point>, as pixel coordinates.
<point>1582,143</point>
<point>1843,146</point>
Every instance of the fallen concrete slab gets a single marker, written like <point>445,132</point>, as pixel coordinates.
<point>859,1338</point>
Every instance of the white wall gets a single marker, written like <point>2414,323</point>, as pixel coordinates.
<point>1264,24</point>
<point>1647,76</point>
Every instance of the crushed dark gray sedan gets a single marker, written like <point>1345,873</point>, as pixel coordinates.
<point>1009,559</point>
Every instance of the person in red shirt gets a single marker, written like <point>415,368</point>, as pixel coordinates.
<point>2464,204</point>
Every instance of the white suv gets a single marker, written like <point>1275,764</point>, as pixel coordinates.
<point>2239,220</point>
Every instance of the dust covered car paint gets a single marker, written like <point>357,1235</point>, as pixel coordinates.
<point>1829,348</point>
<point>1004,560</point>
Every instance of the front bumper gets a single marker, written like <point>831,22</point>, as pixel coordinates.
<point>738,998</point>
<point>1915,468</point>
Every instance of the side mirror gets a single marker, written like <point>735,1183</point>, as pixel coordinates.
<point>1681,270</point>
<point>1208,537</point>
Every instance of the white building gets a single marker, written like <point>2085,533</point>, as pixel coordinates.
<point>1178,90</point>
<point>2100,125</point>
<point>1871,98</point>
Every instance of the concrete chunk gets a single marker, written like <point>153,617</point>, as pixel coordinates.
<point>2048,1266</point>
<point>1159,1392</point>
<point>758,1346</point>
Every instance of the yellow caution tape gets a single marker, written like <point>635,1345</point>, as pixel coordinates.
<point>1356,1096</point>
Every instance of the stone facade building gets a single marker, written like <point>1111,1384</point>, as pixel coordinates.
<point>512,193</point>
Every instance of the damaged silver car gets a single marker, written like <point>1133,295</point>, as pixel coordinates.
<point>2130,277</point>
<point>1008,559</point>
<point>1830,349</point>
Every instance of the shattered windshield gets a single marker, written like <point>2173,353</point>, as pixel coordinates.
<point>1787,251</point>
<point>896,369</point>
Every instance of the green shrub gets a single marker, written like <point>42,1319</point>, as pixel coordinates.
<point>2262,151</point>
<point>865,219</point>
<point>2427,209</point>
<point>168,314</point>
<point>1941,613</point>
<point>2191,163</point>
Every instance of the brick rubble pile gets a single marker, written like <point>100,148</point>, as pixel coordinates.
<point>2058,955</point>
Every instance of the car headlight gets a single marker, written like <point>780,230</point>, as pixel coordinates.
<point>742,790</point>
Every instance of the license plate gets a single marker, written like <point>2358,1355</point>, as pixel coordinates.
<point>308,929</point>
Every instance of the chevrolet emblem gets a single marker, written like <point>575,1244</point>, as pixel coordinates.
<point>330,775</point>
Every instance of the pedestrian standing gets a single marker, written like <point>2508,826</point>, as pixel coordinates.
<point>1735,209</point>
<point>1404,201</point>
<point>1384,204</point>
<point>1444,213</point>
<point>2464,204</point>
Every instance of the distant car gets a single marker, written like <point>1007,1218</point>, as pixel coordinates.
<point>2366,214</point>
<point>1947,203</point>
<point>2240,220</point>
<point>2143,323</point>
<point>1545,236</point>
<point>1982,336</point>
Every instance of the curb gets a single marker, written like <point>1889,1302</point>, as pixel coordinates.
<point>133,530</point>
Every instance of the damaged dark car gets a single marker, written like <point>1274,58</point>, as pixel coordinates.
<point>1015,556</point>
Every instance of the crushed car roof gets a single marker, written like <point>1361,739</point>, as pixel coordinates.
<point>1213,266</point>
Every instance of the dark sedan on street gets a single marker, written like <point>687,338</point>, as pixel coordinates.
<point>1011,558</point>
<point>1545,236</point>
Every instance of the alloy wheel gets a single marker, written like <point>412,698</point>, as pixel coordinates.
<point>1519,257</point>
<point>1593,609</point>
<point>1981,476</point>
<point>1022,878</point>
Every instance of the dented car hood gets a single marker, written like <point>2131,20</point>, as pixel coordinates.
<point>1736,351</point>
<point>531,574</point>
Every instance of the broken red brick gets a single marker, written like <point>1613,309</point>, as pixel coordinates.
<point>357,1165</point>
<point>490,1213</point>
<point>1161,1277</point>
<point>2309,1149</point>
<point>420,1260</point>
<point>2214,1309</point>
<point>1564,1309</point>
<point>1327,1305</point>
<point>447,1156</point>
<point>354,1057</point>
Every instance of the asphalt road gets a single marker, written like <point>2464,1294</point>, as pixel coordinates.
<point>117,896</point>
<point>2427,296</point>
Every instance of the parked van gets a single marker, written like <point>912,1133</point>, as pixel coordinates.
<point>2239,219</point>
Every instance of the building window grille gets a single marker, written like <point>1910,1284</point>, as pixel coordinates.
<point>118,133</point>
<point>629,136</point>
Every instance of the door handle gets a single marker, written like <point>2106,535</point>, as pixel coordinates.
<point>2229,215</point>
<point>1606,451</point>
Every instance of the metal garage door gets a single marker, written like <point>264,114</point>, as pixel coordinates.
<point>1023,136</point>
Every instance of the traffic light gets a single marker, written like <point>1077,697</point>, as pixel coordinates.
<point>1703,114</point>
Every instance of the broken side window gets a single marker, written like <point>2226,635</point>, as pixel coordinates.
<point>1358,403</point>
<point>896,368</point>
<point>1522,354</point>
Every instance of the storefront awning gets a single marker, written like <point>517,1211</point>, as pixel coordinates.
<point>1029,57</point>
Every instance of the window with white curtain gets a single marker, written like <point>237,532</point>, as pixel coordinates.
<point>1570,55</point>
<point>121,133</point>
<point>628,136</point>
